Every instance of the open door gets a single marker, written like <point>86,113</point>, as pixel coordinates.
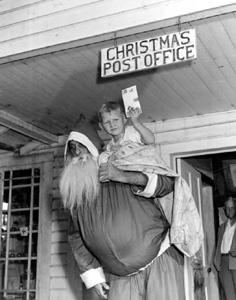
<point>200,282</point>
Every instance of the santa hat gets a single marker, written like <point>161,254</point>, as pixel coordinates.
<point>85,134</point>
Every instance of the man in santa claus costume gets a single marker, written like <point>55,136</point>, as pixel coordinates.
<point>116,226</point>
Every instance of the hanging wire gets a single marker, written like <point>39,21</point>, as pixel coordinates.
<point>115,40</point>
<point>179,24</point>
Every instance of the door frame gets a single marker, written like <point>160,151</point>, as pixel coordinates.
<point>185,154</point>
<point>181,155</point>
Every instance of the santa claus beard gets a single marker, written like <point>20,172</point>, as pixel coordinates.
<point>79,184</point>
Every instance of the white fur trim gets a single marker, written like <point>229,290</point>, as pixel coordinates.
<point>82,139</point>
<point>93,277</point>
<point>150,187</point>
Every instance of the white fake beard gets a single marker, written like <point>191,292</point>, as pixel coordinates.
<point>79,184</point>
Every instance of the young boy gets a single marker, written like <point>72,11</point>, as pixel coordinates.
<point>112,119</point>
<point>133,148</point>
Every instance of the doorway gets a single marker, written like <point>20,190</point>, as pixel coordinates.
<point>217,179</point>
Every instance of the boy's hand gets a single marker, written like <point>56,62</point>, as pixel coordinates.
<point>134,114</point>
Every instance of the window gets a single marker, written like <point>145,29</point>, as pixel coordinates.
<point>24,236</point>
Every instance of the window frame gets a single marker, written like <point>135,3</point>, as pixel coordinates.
<point>45,163</point>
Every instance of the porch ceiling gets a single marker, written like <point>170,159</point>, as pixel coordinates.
<point>41,97</point>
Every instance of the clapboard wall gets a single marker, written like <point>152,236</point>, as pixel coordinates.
<point>65,282</point>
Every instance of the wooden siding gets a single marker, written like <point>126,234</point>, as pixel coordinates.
<point>65,282</point>
<point>214,133</point>
<point>37,25</point>
<point>58,273</point>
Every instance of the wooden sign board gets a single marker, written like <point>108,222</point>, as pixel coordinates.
<point>149,53</point>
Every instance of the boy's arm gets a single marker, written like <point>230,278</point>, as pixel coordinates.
<point>147,137</point>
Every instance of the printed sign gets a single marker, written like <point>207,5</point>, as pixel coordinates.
<point>130,99</point>
<point>149,53</point>
<point>24,231</point>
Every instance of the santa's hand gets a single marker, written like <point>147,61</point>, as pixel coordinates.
<point>109,172</point>
<point>233,252</point>
<point>101,289</point>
